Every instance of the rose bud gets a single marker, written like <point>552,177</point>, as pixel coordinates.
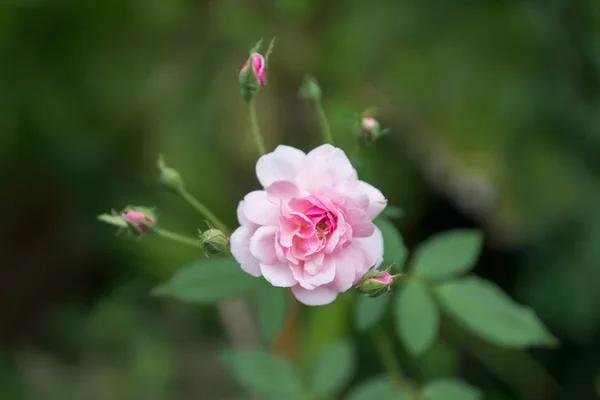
<point>258,67</point>
<point>214,241</point>
<point>252,78</point>
<point>139,219</point>
<point>376,282</point>
<point>169,177</point>
<point>369,130</point>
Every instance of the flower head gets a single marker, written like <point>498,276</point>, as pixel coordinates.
<point>376,282</point>
<point>213,241</point>
<point>258,67</point>
<point>369,129</point>
<point>310,228</point>
<point>140,219</point>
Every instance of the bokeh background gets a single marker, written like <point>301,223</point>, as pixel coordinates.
<point>493,115</point>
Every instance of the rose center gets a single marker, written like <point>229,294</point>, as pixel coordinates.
<point>323,227</point>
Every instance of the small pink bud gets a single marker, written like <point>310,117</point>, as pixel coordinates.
<point>368,123</point>
<point>376,282</point>
<point>258,66</point>
<point>385,279</point>
<point>368,129</point>
<point>138,220</point>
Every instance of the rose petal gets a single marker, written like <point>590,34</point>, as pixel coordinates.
<point>280,165</point>
<point>360,222</point>
<point>262,245</point>
<point>278,274</point>
<point>258,209</point>
<point>300,275</point>
<point>322,275</point>
<point>282,190</point>
<point>377,202</point>
<point>324,167</point>
<point>372,250</point>
<point>318,296</point>
<point>347,263</point>
<point>240,249</point>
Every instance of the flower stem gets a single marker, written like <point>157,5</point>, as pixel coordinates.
<point>384,347</point>
<point>258,140</point>
<point>176,237</point>
<point>323,121</point>
<point>212,218</point>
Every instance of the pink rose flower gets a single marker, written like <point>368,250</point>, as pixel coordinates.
<point>311,227</point>
<point>258,66</point>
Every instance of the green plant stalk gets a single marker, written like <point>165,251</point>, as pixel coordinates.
<point>384,348</point>
<point>258,139</point>
<point>202,209</point>
<point>176,237</point>
<point>388,358</point>
<point>323,121</point>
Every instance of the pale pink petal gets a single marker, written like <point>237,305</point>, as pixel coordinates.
<point>278,274</point>
<point>360,222</point>
<point>322,275</point>
<point>377,202</point>
<point>280,165</point>
<point>300,276</point>
<point>347,263</point>
<point>282,190</point>
<point>258,209</point>
<point>318,296</point>
<point>262,245</point>
<point>324,167</point>
<point>240,249</point>
<point>240,213</point>
<point>372,250</point>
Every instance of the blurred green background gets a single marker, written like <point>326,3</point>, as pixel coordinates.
<point>493,111</point>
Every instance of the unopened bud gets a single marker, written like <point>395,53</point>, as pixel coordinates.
<point>214,241</point>
<point>310,89</point>
<point>376,282</point>
<point>253,75</point>
<point>169,177</point>
<point>369,129</point>
<point>139,219</point>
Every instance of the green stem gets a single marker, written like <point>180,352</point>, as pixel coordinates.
<point>323,122</point>
<point>212,218</point>
<point>258,140</point>
<point>176,237</point>
<point>386,353</point>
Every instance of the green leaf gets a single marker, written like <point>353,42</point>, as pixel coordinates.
<point>207,281</point>
<point>447,254</point>
<point>334,369</point>
<point>272,307</point>
<point>417,318</point>
<point>450,389</point>
<point>379,388</point>
<point>369,311</point>
<point>490,313</point>
<point>394,250</point>
<point>261,371</point>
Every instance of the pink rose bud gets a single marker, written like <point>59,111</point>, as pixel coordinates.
<point>139,219</point>
<point>376,282</point>
<point>258,67</point>
<point>385,279</point>
<point>368,123</point>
